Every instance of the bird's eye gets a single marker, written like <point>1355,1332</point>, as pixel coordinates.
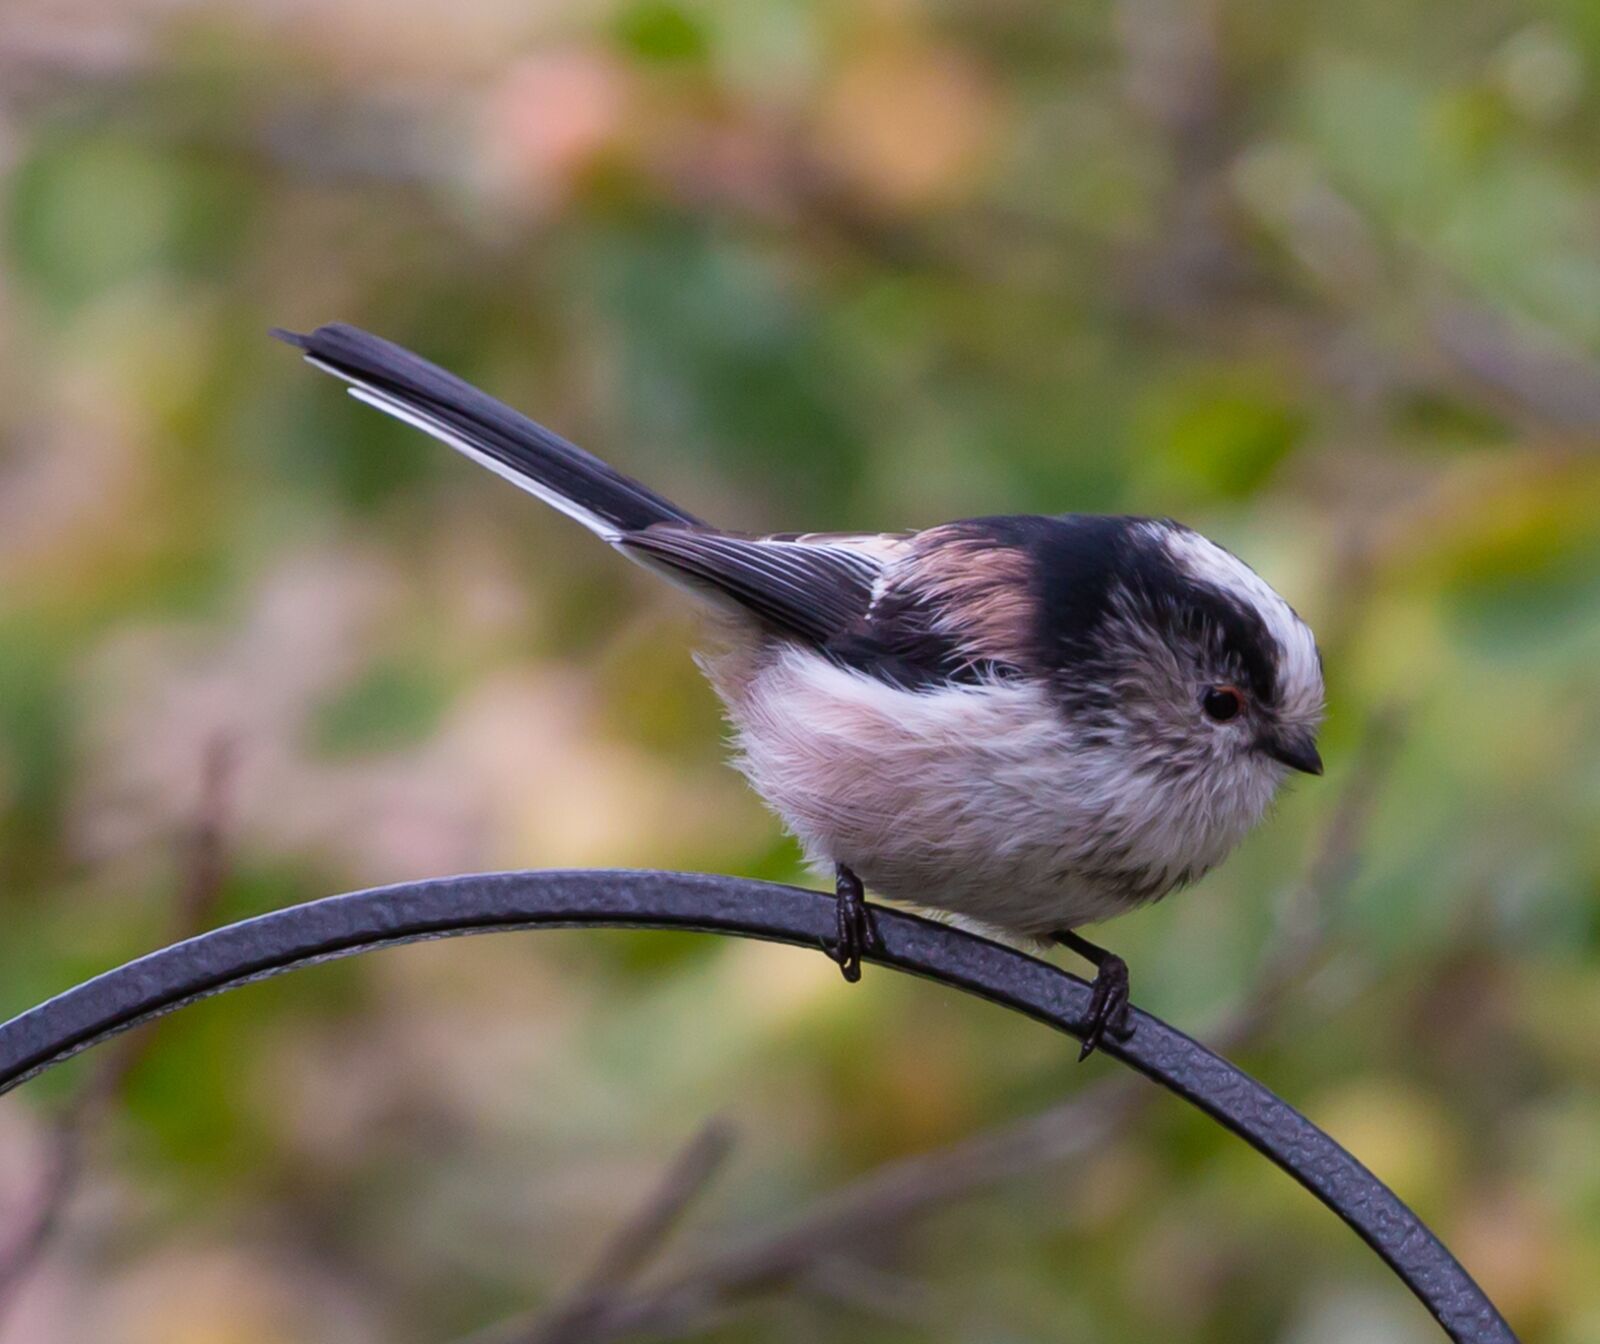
<point>1222,703</point>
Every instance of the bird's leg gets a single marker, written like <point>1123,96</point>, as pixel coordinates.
<point>1108,1008</point>
<point>855,933</point>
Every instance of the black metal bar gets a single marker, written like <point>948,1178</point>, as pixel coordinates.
<point>340,926</point>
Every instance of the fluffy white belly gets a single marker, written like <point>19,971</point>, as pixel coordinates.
<point>978,800</point>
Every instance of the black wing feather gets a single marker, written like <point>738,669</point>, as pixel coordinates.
<point>814,592</point>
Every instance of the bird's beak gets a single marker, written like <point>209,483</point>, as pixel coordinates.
<point>1298,751</point>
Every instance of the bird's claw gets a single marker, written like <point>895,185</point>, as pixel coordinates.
<point>1108,1005</point>
<point>853,928</point>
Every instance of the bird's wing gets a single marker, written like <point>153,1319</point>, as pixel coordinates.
<point>919,611</point>
<point>812,587</point>
<point>955,605</point>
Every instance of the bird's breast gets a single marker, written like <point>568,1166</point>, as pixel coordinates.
<point>977,799</point>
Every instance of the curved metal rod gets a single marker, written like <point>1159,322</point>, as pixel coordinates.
<point>340,926</point>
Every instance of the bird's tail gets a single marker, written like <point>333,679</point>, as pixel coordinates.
<point>527,454</point>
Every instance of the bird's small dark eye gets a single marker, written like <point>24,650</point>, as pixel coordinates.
<point>1222,703</point>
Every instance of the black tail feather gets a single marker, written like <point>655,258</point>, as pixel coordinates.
<point>408,386</point>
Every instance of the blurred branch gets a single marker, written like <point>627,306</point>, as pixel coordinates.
<point>1527,365</point>
<point>911,1303</point>
<point>884,1199</point>
<point>873,1205</point>
<point>39,57</point>
<point>639,1239</point>
<point>204,871</point>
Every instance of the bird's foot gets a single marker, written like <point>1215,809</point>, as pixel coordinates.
<point>1108,1000</point>
<point>1108,1005</point>
<point>854,931</point>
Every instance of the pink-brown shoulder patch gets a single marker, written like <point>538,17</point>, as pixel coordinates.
<point>983,591</point>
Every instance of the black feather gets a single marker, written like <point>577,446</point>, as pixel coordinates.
<point>807,590</point>
<point>902,643</point>
<point>492,427</point>
<point>1084,563</point>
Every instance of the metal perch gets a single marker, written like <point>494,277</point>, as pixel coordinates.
<point>340,926</point>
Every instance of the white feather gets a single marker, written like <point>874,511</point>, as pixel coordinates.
<point>1299,666</point>
<point>411,415</point>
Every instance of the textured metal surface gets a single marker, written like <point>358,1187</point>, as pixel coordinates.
<point>342,925</point>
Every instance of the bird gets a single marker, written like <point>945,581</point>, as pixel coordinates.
<point>1026,723</point>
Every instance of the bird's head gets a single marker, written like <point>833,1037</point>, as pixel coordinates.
<point>1197,674</point>
<point>1210,661</point>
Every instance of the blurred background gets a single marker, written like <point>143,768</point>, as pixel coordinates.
<point>1323,280</point>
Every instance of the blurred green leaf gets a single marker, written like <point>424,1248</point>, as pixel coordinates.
<point>658,30</point>
<point>394,704</point>
<point>1218,434</point>
<point>89,212</point>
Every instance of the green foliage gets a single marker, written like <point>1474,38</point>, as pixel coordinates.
<point>90,211</point>
<point>1220,435</point>
<point>393,705</point>
<point>658,31</point>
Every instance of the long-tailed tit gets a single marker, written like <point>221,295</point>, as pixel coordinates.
<point>1033,723</point>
